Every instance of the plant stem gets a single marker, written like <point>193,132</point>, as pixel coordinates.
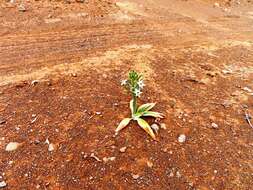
<point>134,102</point>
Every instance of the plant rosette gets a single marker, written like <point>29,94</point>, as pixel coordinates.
<point>134,84</point>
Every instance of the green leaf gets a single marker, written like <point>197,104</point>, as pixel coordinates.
<point>132,106</point>
<point>153,114</point>
<point>144,125</point>
<point>145,107</point>
<point>123,124</point>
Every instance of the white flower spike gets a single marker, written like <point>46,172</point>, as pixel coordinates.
<point>141,84</point>
<point>137,92</point>
<point>123,82</point>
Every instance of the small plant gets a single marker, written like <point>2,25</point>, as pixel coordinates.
<point>134,84</point>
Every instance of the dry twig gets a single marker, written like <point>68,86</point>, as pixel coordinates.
<point>248,118</point>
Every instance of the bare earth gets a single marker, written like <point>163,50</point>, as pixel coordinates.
<point>61,63</point>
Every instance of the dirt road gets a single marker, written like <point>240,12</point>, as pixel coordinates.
<point>61,63</point>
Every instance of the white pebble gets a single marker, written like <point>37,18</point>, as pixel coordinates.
<point>3,184</point>
<point>34,82</point>
<point>12,146</point>
<point>216,4</point>
<point>105,159</point>
<point>247,89</point>
<point>182,138</point>
<point>214,125</point>
<point>178,174</point>
<point>135,176</point>
<point>50,147</point>
<point>163,126</point>
<point>123,149</point>
<point>155,127</point>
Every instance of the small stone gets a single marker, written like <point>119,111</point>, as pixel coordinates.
<point>33,121</point>
<point>37,141</point>
<point>155,127</point>
<point>226,71</point>
<point>182,138</point>
<point>47,141</point>
<point>236,93</point>
<point>171,174</point>
<point>163,126</point>
<point>10,162</point>
<point>115,104</point>
<point>245,106</point>
<point>3,184</point>
<point>214,126</point>
<point>113,146</point>
<point>211,73</point>
<point>50,147</point>
<point>106,159</point>
<point>178,174</point>
<point>135,176</point>
<point>34,82</point>
<point>165,150</point>
<point>225,9</point>
<point>104,75</point>
<point>216,4</point>
<point>123,149</point>
<point>247,89</point>
<point>49,83</point>
<point>172,103</point>
<point>50,16</point>
<point>12,146</point>
<point>150,164</point>
<point>112,158</point>
<point>47,184</point>
<point>21,8</point>
<point>191,184</point>
<point>2,121</point>
<point>227,103</point>
<point>84,155</point>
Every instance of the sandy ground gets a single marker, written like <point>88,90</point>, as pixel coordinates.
<point>61,63</point>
